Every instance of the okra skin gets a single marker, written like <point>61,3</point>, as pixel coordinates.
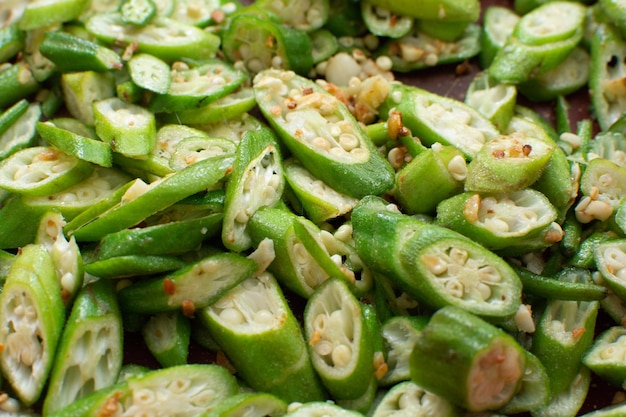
<point>605,357</point>
<point>466,360</point>
<point>94,326</point>
<point>167,336</point>
<point>337,152</point>
<point>447,10</point>
<point>424,254</point>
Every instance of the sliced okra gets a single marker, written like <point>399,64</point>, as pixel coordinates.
<point>85,148</point>
<point>447,169</point>
<point>540,26</point>
<point>494,100</point>
<point>193,149</point>
<point>614,410</point>
<point>163,37</point>
<point>82,89</point>
<point>319,201</point>
<point>320,408</point>
<point>137,12</point>
<point>383,22</point>
<point>534,391</point>
<point>150,73</point>
<point>564,333</point>
<point>559,181</point>
<point>408,398</point>
<point>11,41</point>
<point>256,43</point>
<point>447,10</point>
<point>498,24</point>
<point>142,200</point>
<point>256,329</point>
<point>6,260</point>
<point>434,118</point>
<point>191,287</point>
<point>609,145</point>
<point>132,265</point>
<point>32,315</point>
<point>519,221</point>
<point>339,340</point>
<point>72,53</point>
<point>201,13</point>
<point>419,50</point>
<point>508,163</point>
<point>605,357</point>
<point>232,129</point>
<point>602,186</point>
<point>303,15</point>
<point>441,29</point>
<point>128,128</point>
<point>196,86</point>
<point>41,170</point>
<point>322,133</point>
<point>17,82</point>
<point>256,180</point>
<point>399,334</point>
<point>18,132</point>
<point>252,404</point>
<point>167,336</point>
<point>435,265</point>
<point>42,13</point>
<point>569,401</point>
<point>610,259</point>
<point>553,288</point>
<point>467,361</point>
<point>90,351</point>
<point>324,45</point>
<point>65,255</point>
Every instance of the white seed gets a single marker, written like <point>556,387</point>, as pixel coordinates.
<point>457,167</point>
<point>455,288</point>
<point>232,316</point>
<point>458,256</point>
<point>323,348</point>
<point>264,317</point>
<point>341,356</point>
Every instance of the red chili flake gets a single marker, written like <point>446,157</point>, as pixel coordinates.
<point>498,153</point>
<point>169,286</point>
<point>527,149</point>
<point>577,333</point>
<point>189,308</point>
<point>307,90</point>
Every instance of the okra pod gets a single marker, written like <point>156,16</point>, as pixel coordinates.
<point>399,335</point>
<point>90,348</point>
<point>252,404</point>
<point>17,82</point>
<point>492,99</point>
<point>18,132</point>
<point>167,336</point>
<point>408,398</point>
<point>383,22</point>
<point>534,391</point>
<point>433,264</point>
<point>567,403</point>
<point>556,289</point>
<point>321,132</point>
<point>255,328</point>
<point>605,357</point>
<point>466,360</point>
<point>302,15</point>
<point>126,266</point>
<point>447,10</point>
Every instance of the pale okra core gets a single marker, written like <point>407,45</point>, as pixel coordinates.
<point>313,117</point>
<point>37,165</point>
<point>305,265</point>
<point>614,260</point>
<point>462,274</point>
<point>304,15</point>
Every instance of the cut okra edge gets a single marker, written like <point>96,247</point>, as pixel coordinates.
<point>337,169</point>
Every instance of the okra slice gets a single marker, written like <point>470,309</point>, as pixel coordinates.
<point>551,22</point>
<point>19,132</point>
<point>322,133</point>
<point>563,335</point>
<point>82,89</point>
<point>434,118</point>
<point>534,391</point>
<point>11,41</point>
<point>319,201</point>
<point>508,163</point>
<point>189,288</point>
<point>137,12</point>
<point>150,73</point>
<point>257,43</point>
<point>163,37</point>
<point>498,24</point>
<point>408,398</point>
<point>447,169</point>
<point>256,329</point>
<point>194,149</point>
<point>321,408</point>
<point>494,100</point>
<point>399,335</point>
<point>197,86</point>
<point>339,341</point>
<point>468,361</point>
<point>608,411</point>
<point>72,53</point>
<point>232,129</point>
<point>42,13</point>
<point>132,265</point>
<point>516,222</point>
<point>65,255</point>
<point>435,265</point>
<point>568,402</point>
<point>605,357</point>
<point>142,200</point>
<point>303,15</point>
<point>602,186</point>
<point>252,404</point>
<point>128,128</point>
<point>610,259</point>
<point>17,82</point>
<point>89,356</point>
<point>256,180</point>
<point>383,22</point>
<point>41,170</point>
<point>448,10</point>
<point>84,148</point>
<point>32,315</point>
<point>167,336</point>
<point>419,50</point>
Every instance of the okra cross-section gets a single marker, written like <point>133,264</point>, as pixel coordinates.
<point>322,133</point>
<point>433,264</point>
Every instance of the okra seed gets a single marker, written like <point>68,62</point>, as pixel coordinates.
<point>458,256</point>
<point>323,348</point>
<point>203,398</point>
<point>264,317</point>
<point>348,141</point>
<point>232,315</point>
<point>179,386</point>
<point>144,396</point>
<point>457,167</point>
<point>341,356</point>
<point>454,287</point>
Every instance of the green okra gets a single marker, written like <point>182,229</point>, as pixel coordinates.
<point>17,82</point>
<point>433,264</point>
<point>498,24</point>
<point>321,132</point>
<point>584,257</point>
<point>150,73</point>
<point>467,361</point>
<point>6,260</point>
<point>447,170</point>
<point>90,347</point>
<point>252,404</point>
<point>324,45</point>
<point>568,402</point>
<point>72,53</point>
<point>601,190</point>
<point>605,357</point>
<point>494,100</point>
<point>399,335</point>
<point>553,288</point>
<point>256,180</point>
<point>559,181</point>
<point>32,316</point>
<point>563,334</point>
<point>339,340</point>
<point>534,391</point>
<point>167,336</point>
<point>441,29</point>
<point>434,118</point>
<point>18,126</point>
<point>515,222</point>
<point>615,410</point>
<point>326,408</point>
<point>11,41</point>
<point>142,200</point>
<point>191,287</point>
<point>447,10</point>
<point>40,14</point>
<point>82,89</point>
<point>255,328</point>
<point>163,37</point>
<point>259,43</point>
<point>409,398</point>
<point>126,266</point>
<point>608,257</point>
<point>383,22</point>
<point>137,12</point>
<point>302,15</point>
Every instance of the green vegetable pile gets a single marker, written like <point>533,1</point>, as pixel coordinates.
<point>252,179</point>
